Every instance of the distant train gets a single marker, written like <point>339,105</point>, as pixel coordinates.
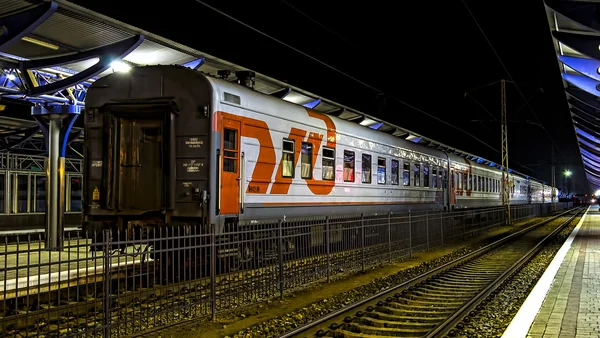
<point>170,145</point>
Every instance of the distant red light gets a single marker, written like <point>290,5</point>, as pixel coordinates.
<point>76,180</point>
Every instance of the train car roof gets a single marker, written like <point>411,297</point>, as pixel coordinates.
<point>254,100</point>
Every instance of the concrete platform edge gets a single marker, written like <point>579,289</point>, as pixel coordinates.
<point>519,326</point>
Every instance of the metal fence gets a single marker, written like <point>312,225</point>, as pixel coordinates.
<point>121,285</point>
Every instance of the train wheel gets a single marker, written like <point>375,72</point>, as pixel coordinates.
<point>244,255</point>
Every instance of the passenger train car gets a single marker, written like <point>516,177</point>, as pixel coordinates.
<point>170,145</point>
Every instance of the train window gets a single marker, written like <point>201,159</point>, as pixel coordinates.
<point>444,181</point>
<point>328,164</point>
<point>348,166</point>
<point>459,180</point>
<point>426,175</point>
<point>406,174</point>
<point>2,192</point>
<point>474,182</point>
<point>230,150</point>
<point>287,160</point>
<point>470,181</point>
<point>433,177</point>
<point>366,168</point>
<point>306,160</point>
<point>381,167</point>
<point>395,172</point>
<point>417,172</point>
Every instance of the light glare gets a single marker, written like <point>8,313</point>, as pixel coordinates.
<point>118,66</point>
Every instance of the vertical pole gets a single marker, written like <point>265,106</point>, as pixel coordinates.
<point>427,227</point>
<point>52,176</point>
<point>362,242</point>
<point>280,245</point>
<point>327,243</point>
<point>213,271</point>
<point>107,283</point>
<point>442,228</point>
<point>390,235</point>
<point>409,235</point>
<point>504,133</point>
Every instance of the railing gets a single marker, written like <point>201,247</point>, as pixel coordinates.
<point>118,286</point>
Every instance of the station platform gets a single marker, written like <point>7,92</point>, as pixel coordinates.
<point>27,268</point>
<point>566,300</point>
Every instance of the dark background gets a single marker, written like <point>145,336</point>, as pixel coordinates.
<point>421,54</point>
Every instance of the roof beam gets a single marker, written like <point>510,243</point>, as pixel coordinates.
<point>16,26</point>
<point>585,44</point>
<point>106,54</point>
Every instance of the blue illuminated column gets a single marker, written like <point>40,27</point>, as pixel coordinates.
<point>56,123</point>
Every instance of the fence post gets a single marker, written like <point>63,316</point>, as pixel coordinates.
<point>442,227</point>
<point>427,227</point>
<point>280,245</point>
<point>213,272</point>
<point>362,242</point>
<point>107,282</point>
<point>409,235</point>
<point>327,243</point>
<point>390,235</point>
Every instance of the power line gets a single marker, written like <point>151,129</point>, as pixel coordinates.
<point>320,24</point>
<point>342,72</point>
<point>511,78</point>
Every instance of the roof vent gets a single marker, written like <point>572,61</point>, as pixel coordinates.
<point>223,73</point>
<point>245,78</point>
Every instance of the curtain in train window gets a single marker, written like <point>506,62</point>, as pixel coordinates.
<point>395,172</point>
<point>366,168</point>
<point>306,160</point>
<point>328,164</point>
<point>426,175</point>
<point>406,174</point>
<point>348,166</point>
<point>381,168</point>
<point>2,193</point>
<point>444,181</point>
<point>417,171</point>
<point>287,169</point>
<point>434,177</point>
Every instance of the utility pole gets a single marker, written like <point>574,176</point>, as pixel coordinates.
<point>504,133</point>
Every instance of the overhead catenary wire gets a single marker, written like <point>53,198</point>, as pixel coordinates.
<point>349,76</point>
<point>511,78</point>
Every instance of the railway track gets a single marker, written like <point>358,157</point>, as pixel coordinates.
<point>437,302</point>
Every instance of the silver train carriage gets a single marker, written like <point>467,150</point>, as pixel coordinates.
<point>166,144</point>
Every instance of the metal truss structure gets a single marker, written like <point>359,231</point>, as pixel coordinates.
<point>575,30</point>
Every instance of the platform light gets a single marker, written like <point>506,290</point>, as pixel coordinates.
<point>567,173</point>
<point>597,192</point>
<point>11,77</point>
<point>119,66</point>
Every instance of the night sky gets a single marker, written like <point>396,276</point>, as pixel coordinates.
<point>418,54</point>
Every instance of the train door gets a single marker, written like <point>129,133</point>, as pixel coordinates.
<point>452,189</point>
<point>141,164</point>
<point>230,168</point>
